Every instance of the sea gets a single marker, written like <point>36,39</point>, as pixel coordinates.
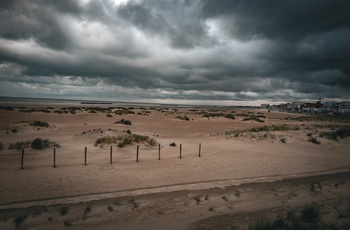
<point>32,102</point>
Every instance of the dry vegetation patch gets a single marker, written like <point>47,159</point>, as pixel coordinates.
<point>37,143</point>
<point>342,133</point>
<point>123,140</point>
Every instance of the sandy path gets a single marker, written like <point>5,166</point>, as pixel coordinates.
<point>235,206</point>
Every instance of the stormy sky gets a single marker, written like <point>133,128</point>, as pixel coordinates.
<point>228,52</point>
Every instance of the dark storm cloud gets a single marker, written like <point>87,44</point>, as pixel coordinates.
<point>178,49</point>
<point>178,21</point>
<point>307,35</point>
<point>286,20</point>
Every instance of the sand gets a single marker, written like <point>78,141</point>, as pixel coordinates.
<point>162,193</point>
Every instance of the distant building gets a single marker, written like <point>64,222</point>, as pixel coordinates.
<point>313,107</point>
<point>345,106</point>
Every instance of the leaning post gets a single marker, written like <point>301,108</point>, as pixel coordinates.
<point>137,154</point>
<point>22,158</point>
<point>85,155</point>
<point>110,156</point>
<point>180,151</point>
<point>159,152</point>
<point>54,157</point>
<point>200,147</point>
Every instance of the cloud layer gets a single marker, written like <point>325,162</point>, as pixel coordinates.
<point>198,51</point>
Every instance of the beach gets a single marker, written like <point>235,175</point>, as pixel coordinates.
<point>176,177</point>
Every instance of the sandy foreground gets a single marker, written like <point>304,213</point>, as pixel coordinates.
<point>236,181</point>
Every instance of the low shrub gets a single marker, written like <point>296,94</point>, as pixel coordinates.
<point>20,145</point>
<point>64,211</point>
<point>1,146</point>
<point>124,122</point>
<point>68,222</point>
<point>309,217</point>
<point>14,130</point>
<point>314,140</point>
<point>184,118</point>
<point>172,144</point>
<point>39,144</point>
<point>19,219</point>
<point>39,124</point>
<point>310,214</point>
<point>87,210</point>
<point>211,209</point>
<point>230,116</point>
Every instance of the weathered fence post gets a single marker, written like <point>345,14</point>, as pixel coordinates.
<point>85,155</point>
<point>200,147</point>
<point>54,157</point>
<point>137,154</point>
<point>22,158</point>
<point>159,152</point>
<point>110,156</point>
<point>180,151</point>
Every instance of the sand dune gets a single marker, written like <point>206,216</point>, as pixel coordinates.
<point>275,155</point>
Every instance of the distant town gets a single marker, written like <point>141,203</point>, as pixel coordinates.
<point>318,107</point>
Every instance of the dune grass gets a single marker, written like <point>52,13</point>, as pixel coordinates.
<point>37,144</point>
<point>308,217</point>
<point>123,140</point>
<point>342,133</point>
<point>272,128</point>
<point>20,145</point>
<point>324,118</point>
<point>218,114</point>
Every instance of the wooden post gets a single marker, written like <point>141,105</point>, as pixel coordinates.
<point>22,158</point>
<point>199,153</point>
<point>159,152</point>
<point>85,155</point>
<point>54,157</point>
<point>110,156</point>
<point>180,151</point>
<point>137,154</point>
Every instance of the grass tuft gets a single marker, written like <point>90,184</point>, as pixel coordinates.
<point>68,222</point>
<point>64,211</point>
<point>314,140</point>
<point>87,210</point>
<point>19,219</point>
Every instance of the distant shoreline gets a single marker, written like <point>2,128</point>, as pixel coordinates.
<point>23,101</point>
